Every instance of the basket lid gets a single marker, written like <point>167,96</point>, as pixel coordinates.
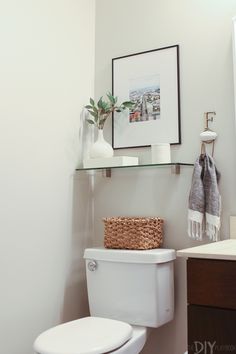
<point>156,255</point>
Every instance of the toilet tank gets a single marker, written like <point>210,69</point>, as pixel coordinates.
<point>131,286</point>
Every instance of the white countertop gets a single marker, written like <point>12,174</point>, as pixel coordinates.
<point>216,250</point>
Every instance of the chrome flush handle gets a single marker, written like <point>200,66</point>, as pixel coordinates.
<point>92,266</point>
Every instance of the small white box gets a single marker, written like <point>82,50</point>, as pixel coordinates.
<point>114,161</point>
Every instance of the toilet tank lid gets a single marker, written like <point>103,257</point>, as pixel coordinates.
<point>156,255</point>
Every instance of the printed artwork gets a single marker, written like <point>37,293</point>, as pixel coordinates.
<point>145,93</point>
<point>151,80</point>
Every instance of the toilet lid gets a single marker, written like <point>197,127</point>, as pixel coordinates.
<point>89,335</point>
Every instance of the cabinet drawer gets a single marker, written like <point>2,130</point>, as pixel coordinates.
<point>211,330</point>
<point>211,282</point>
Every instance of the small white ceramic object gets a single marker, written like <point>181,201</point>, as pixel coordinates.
<point>101,148</point>
<point>161,153</point>
<point>208,135</point>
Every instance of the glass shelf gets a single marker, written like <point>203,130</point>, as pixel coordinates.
<point>175,167</point>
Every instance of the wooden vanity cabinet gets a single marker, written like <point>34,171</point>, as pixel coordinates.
<point>211,296</point>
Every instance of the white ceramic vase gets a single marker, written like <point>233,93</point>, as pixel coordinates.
<point>101,148</point>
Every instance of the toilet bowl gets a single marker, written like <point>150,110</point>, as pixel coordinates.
<point>92,335</point>
<point>128,292</point>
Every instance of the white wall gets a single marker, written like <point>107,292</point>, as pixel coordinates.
<point>46,76</point>
<point>203,31</point>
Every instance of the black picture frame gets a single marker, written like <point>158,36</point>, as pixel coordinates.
<point>151,80</point>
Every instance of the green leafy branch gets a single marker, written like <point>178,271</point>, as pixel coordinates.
<point>101,110</point>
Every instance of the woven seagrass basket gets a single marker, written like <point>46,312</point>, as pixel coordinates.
<point>134,233</point>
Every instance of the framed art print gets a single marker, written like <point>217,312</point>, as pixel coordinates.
<point>150,80</point>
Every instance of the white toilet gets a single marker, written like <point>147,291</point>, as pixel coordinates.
<point>128,292</point>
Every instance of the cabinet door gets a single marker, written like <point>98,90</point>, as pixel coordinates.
<point>211,330</point>
<point>212,283</point>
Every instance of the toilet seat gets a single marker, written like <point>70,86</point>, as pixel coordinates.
<point>89,335</point>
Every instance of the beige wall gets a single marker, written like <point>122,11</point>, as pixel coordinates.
<point>46,76</point>
<point>203,31</point>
